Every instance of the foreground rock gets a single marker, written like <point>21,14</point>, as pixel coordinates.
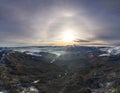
<point>69,73</point>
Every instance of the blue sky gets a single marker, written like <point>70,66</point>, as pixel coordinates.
<point>43,22</point>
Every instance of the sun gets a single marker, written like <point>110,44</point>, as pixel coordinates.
<point>68,37</point>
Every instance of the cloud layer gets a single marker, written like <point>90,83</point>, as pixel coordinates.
<point>28,22</point>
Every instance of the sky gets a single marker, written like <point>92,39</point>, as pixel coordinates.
<point>56,22</point>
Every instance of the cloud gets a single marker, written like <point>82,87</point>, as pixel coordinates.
<point>28,21</point>
<point>81,40</point>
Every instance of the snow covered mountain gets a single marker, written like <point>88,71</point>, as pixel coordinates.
<point>110,51</point>
<point>105,51</point>
<point>36,50</point>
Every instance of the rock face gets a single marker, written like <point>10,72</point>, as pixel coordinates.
<point>21,70</point>
<point>72,72</point>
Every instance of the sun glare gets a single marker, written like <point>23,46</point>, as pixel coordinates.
<point>68,37</point>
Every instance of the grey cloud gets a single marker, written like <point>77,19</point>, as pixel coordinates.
<point>27,20</point>
<point>81,40</point>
